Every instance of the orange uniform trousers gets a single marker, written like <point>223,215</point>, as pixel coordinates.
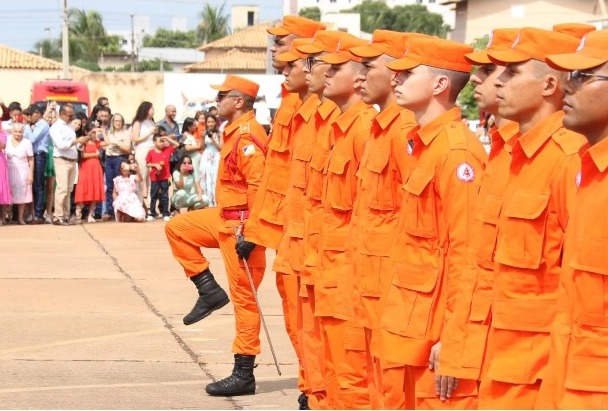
<point>187,233</point>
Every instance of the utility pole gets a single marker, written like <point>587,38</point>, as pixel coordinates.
<point>65,46</point>
<point>132,44</point>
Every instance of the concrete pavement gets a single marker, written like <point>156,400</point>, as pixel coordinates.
<point>92,319</point>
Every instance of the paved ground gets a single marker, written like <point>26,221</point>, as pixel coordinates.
<point>92,319</point>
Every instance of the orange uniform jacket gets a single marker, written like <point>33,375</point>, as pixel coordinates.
<point>531,226</point>
<point>431,256</point>
<point>290,257</point>
<point>378,202</point>
<point>324,118</point>
<point>266,219</point>
<point>582,321</point>
<point>347,139</point>
<point>464,342</point>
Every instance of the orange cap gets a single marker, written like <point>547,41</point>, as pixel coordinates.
<point>300,26</point>
<point>433,52</point>
<point>592,52</point>
<point>532,43</point>
<point>238,83</point>
<point>577,30</point>
<point>293,54</point>
<point>391,43</point>
<point>341,54</point>
<point>500,39</point>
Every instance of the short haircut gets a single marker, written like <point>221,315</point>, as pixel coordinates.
<point>14,106</point>
<point>106,109</point>
<point>100,100</point>
<point>458,80</point>
<point>247,100</point>
<point>63,109</point>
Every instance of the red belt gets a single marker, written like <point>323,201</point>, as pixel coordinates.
<point>235,214</point>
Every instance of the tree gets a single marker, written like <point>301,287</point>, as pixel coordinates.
<point>49,48</point>
<point>313,13</point>
<point>167,38</point>
<point>410,18</point>
<point>145,65</point>
<point>87,34</point>
<point>213,24</point>
<point>466,98</point>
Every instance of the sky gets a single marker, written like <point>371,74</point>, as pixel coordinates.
<point>23,24</point>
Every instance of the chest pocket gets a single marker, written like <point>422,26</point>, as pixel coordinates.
<point>419,204</point>
<point>488,216</point>
<point>520,241</point>
<point>274,197</point>
<point>301,157</point>
<point>339,185</point>
<point>280,140</point>
<point>232,188</point>
<point>381,182</point>
<point>314,189</point>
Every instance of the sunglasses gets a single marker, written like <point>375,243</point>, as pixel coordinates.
<point>578,78</point>
<point>312,62</point>
<point>221,96</point>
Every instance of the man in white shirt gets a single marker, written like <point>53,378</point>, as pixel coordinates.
<point>65,156</point>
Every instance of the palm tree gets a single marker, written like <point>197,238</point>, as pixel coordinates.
<point>49,48</point>
<point>87,34</point>
<point>213,24</point>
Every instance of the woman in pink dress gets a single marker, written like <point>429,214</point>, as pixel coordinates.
<point>20,156</point>
<point>90,189</point>
<point>127,206</point>
<point>5,188</point>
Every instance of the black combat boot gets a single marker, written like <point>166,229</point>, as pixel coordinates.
<point>241,382</point>
<point>303,402</point>
<point>211,297</point>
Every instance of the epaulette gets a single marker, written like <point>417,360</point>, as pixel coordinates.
<point>244,128</point>
<point>457,135</point>
<point>569,141</point>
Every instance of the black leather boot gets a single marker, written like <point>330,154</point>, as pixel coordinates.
<point>241,382</point>
<point>211,297</point>
<point>303,402</point>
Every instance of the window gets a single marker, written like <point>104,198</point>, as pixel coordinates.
<point>250,18</point>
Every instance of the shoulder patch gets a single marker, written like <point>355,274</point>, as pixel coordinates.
<point>249,149</point>
<point>465,172</point>
<point>569,141</point>
<point>457,137</point>
<point>244,128</point>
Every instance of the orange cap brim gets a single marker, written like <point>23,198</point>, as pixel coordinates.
<point>402,64</point>
<point>478,58</point>
<point>340,57</point>
<point>278,31</point>
<point>311,48</point>
<point>573,61</point>
<point>503,57</point>
<point>220,87</point>
<point>289,57</point>
<point>367,51</point>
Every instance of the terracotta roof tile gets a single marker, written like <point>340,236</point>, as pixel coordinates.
<point>233,60</point>
<point>252,37</point>
<point>16,59</point>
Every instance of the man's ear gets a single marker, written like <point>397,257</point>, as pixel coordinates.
<point>441,83</point>
<point>552,83</point>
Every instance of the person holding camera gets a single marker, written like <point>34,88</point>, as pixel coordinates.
<point>126,204</point>
<point>188,193</point>
<point>210,159</point>
<point>90,188</point>
<point>158,162</point>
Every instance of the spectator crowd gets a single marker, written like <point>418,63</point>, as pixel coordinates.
<point>61,166</point>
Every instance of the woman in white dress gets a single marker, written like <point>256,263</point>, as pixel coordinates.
<point>210,160</point>
<point>142,131</point>
<point>20,158</point>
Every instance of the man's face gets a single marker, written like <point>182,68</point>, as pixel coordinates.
<point>295,77</point>
<point>519,91</point>
<point>68,115</point>
<point>315,70</point>
<point>170,112</point>
<point>280,44</point>
<point>105,103</point>
<point>375,79</point>
<point>413,88</point>
<point>103,117</point>
<point>586,101</point>
<point>340,81</point>
<point>36,115</point>
<point>484,80</point>
<point>14,114</point>
<point>226,104</point>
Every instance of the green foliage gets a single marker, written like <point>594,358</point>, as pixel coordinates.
<point>313,13</point>
<point>466,98</point>
<point>87,34</point>
<point>213,24</point>
<point>146,65</point>
<point>410,18</point>
<point>49,48</point>
<point>168,38</point>
<point>87,65</point>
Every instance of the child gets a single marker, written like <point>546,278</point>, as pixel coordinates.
<point>158,162</point>
<point>127,206</point>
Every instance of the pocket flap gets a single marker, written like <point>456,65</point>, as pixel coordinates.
<point>337,164</point>
<point>526,315</point>
<point>590,255</point>
<point>377,160</point>
<point>418,181</point>
<point>334,241</point>
<point>304,152</point>
<point>283,117</point>
<point>415,277</point>
<point>527,204</point>
<point>480,306</point>
<point>490,209</point>
<point>318,159</point>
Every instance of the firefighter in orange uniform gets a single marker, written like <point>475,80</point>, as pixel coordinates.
<point>464,341</point>
<point>580,333</point>
<point>267,214</point>
<point>378,194</point>
<point>531,222</point>
<point>239,175</point>
<point>430,258</point>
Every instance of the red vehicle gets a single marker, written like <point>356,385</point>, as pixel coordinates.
<point>62,91</point>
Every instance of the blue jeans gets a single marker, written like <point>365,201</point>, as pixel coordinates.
<point>112,171</point>
<point>159,191</point>
<point>39,183</point>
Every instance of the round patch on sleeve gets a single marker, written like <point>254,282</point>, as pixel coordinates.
<point>465,172</point>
